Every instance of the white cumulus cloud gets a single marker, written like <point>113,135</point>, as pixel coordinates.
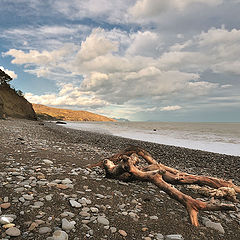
<point>171,108</point>
<point>67,96</point>
<point>96,45</point>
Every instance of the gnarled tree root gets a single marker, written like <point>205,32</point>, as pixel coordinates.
<point>126,166</point>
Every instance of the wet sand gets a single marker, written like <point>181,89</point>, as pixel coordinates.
<point>140,209</point>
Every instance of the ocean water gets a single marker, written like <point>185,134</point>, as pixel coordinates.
<point>221,138</point>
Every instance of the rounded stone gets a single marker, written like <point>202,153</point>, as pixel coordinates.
<point>28,197</point>
<point>20,189</point>
<point>5,205</point>
<point>103,220</point>
<point>13,232</point>
<point>154,217</point>
<point>216,226</point>
<point>84,214</point>
<point>123,233</point>
<point>75,204</point>
<point>44,230</point>
<point>174,237</point>
<point>38,204</point>
<point>9,225</point>
<point>159,236</point>
<point>60,235</point>
<point>62,186</point>
<point>113,229</point>
<point>94,210</point>
<point>46,161</point>
<point>66,181</point>
<point>6,220</point>
<point>66,225</point>
<point>48,197</point>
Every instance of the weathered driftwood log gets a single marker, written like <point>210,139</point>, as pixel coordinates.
<point>128,165</point>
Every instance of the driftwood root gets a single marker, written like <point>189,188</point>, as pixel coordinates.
<point>130,164</point>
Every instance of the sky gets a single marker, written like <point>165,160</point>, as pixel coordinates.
<point>144,60</point>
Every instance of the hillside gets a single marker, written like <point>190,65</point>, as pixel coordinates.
<point>67,114</point>
<point>14,105</point>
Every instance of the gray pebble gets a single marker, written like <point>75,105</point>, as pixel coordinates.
<point>99,195</point>
<point>5,219</point>
<point>103,220</point>
<point>67,225</point>
<point>46,161</point>
<point>48,197</point>
<point>216,226</point>
<point>38,204</point>
<point>44,230</point>
<point>28,197</point>
<point>75,204</point>
<point>159,236</point>
<point>113,229</point>
<point>174,237</point>
<point>60,235</point>
<point>66,181</point>
<point>13,232</point>
<point>94,210</point>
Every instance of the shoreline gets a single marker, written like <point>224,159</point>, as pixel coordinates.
<point>178,157</point>
<point>24,146</point>
<point>223,140</point>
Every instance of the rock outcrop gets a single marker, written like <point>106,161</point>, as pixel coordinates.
<point>13,105</point>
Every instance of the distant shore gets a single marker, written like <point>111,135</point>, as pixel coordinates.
<point>35,155</point>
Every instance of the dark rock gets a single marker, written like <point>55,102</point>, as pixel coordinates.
<point>60,122</point>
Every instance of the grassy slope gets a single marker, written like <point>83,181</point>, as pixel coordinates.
<point>69,115</point>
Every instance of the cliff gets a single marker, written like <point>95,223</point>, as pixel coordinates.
<point>13,105</point>
<point>46,112</point>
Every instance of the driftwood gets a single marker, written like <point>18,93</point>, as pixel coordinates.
<point>128,165</point>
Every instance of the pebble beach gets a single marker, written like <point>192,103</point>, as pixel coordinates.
<point>47,191</point>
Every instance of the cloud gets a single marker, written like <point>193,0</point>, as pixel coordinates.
<point>122,87</point>
<point>44,63</point>
<point>154,8</point>
<point>116,76</point>
<point>49,30</point>
<point>67,96</point>
<point>110,11</point>
<point>96,45</point>
<point>12,74</point>
<point>148,8</point>
<point>216,50</point>
<point>117,68</point>
<point>171,108</point>
<point>40,58</point>
<point>145,44</point>
<point>46,37</point>
<point>226,86</point>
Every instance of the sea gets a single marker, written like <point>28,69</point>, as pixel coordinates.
<point>221,138</point>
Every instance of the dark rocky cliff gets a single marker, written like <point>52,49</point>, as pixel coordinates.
<point>13,105</point>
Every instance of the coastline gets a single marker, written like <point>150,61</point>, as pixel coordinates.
<point>178,157</point>
<point>24,146</point>
<point>211,137</point>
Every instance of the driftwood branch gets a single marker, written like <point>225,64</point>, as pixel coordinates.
<point>130,164</point>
